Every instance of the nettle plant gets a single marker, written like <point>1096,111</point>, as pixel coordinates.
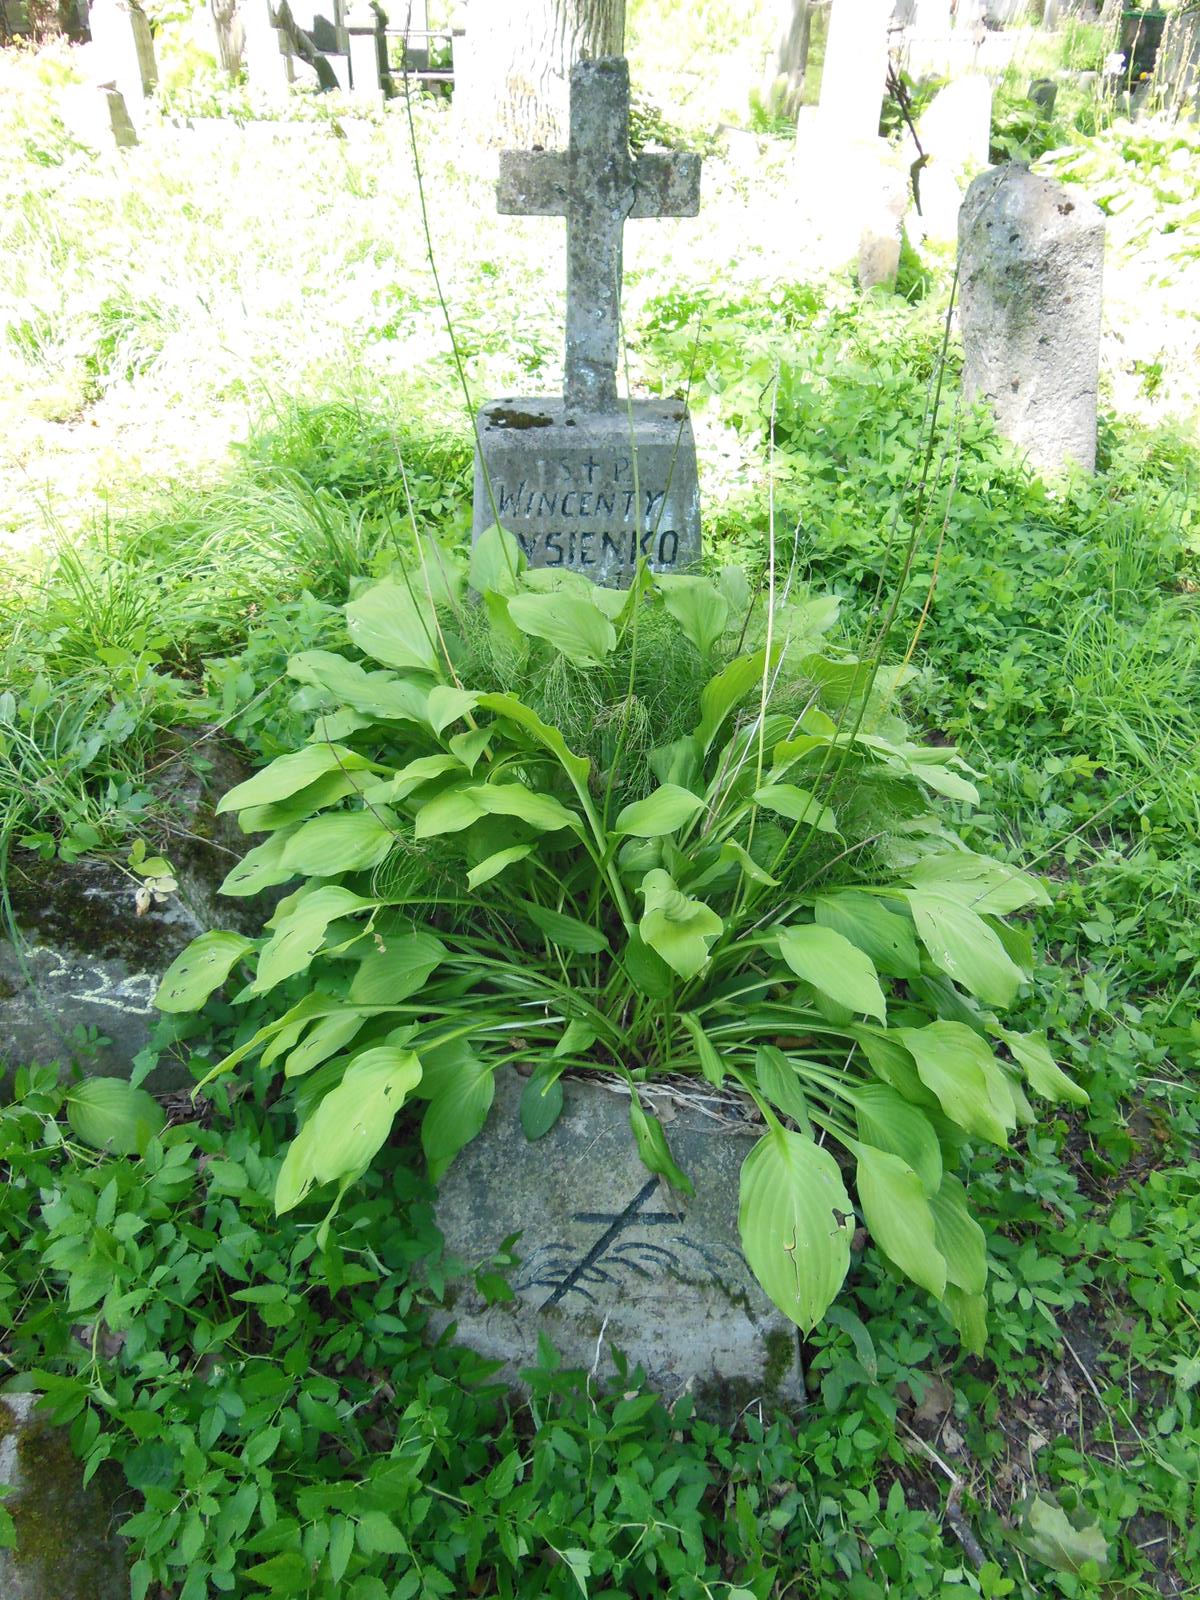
<point>650,832</point>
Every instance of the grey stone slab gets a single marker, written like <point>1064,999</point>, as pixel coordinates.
<point>611,1259</point>
<point>1031,257</point>
<point>564,485</point>
<point>67,1547</point>
<point>83,958</point>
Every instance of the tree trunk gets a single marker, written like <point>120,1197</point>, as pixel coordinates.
<point>785,84</point>
<point>512,80</point>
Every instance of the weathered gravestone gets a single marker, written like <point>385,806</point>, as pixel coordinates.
<point>1031,256</point>
<point>590,482</point>
<point>66,1545</point>
<point>123,51</point>
<point>609,1257</point>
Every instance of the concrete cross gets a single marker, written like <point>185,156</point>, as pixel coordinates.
<point>596,184</point>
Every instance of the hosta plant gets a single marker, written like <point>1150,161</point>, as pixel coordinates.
<point>655,831</point>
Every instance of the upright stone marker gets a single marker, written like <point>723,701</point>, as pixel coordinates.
<point>124,50</point>
<point>1031,255</point>
<point>591,482</point>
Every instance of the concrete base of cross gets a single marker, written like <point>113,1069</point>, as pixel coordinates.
<point>591,492</point>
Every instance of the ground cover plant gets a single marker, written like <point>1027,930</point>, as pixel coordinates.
<point>1057,649</point>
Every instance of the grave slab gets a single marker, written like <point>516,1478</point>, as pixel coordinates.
<point>609,1258</point>
<point>565,486</point>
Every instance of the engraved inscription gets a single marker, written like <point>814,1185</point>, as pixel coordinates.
<point>603,523</point>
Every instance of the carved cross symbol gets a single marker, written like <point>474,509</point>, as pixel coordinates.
<point>595,185</point>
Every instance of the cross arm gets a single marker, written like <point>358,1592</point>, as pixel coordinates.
<point>533,183</point>
<point>666,184</point>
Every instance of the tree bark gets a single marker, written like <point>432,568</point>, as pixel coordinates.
<point>512,81</point>
<point>785,85</point>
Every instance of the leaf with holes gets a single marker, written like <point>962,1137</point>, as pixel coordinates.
<point>795,1221</point>
<point>200,969</point>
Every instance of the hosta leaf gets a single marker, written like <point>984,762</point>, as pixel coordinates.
<point>957,1065</point>
<point>260,868</point>
<point>447,705</point>
<point>198,970</point>
<point>325,791</point>
<point>340,841</point>
<point>566,931</point>
<point>797,805</point>
<point>389,976</point>
<point>778,1081</point>
<point>1043,1073</point>
<point>388,624</point>
<point>961,945</point>
<point>653,1148</point>
<point>959,1237</point>
<point>977,881</point>
<point>732,851</point>
<point>491,866</point>
<point>301,933</point>
<point>450,811</point>
<point>727,690</point>
<point>1051,1537</point>
<point>542,1100</point>
<point>897,1213</point>
<point>514,710</point>
<point>110,1114</point>
<point>795,1221</point>
<point>379,695</point>
<point>578,1037</point>
<point>324,1039</point>
<point>457,1110</point>
<point>707,1054</point>
<point>527,805</point>
<point>888,939</point>
<point>411,776</point>
<point>668,808</point>
<point>497,561</point>
<point>697,606</point>
<point>349,1126</point>
<point>288,774</point>
<point>833,965</point>
<point>679,929</point>
<point>889,1122</point>
<point>571,623</point>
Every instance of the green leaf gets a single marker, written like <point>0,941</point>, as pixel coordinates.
<point>284,1574</point>
<point>959,1237</point>
<point>572,624</point>
<point>200,969</point>
<point>386,622</point>
<point>341,1547</point>
<point>728,689</point>
<point>1051,1537</point>
<point>324,1039</point>
<point>447,705</point>
<point>679,929</point>
<point>697,606</point>
<point>260,868</point>
<point>707,1054</point>
<point>1044,1075</point>
<point>888,939</point>
<point>301,933</point>
<point>795,1221</point>
<point>514,710</point>
<point>864,1346</point>
<point>983,884</point>
<point>497,561</point>
<point>668,808</point>
<point>379,1535</point>
<point>646,970</point>
<point>777,1079</point>
<point>340,841</point>
<point>325,792</point>
<point>457,1111</point>
<point>890,1122</point>
<point>897,1213</point>
<point>110,1114</point>
<point>798,805</point>
<point>833,965</point>
<point>539,810</point>
<point>411,776</point>
<point>542,1100</point>
<point>577,1039</point>
<point>388,976</point>
<point>346,1130</point>
<point>653,1147</point>
<point>968,1313</point>
<point>961,945</point>
<point>378,695</point>
<point>732,851</point>
<point>491,866</point>
<point>449,811</point>
<point>956,1064</point>
<point>566,931</point>
<point>288,774</point>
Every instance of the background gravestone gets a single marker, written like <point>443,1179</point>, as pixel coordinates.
<point>123,51</point>
<point>589,482</point>
<point>609,1258</point>
<point>1031,256</point>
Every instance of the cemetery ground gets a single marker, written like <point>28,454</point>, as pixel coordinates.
<point>231,340</point>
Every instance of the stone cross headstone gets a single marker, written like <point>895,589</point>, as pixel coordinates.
<point>1031,255</point>
<point>266,52</point>
<point>591,482</point>
<point>123,50</point>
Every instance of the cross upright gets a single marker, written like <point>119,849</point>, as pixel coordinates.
<point>595,184</point>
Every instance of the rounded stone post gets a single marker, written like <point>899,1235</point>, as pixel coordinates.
<point>1030,256</point>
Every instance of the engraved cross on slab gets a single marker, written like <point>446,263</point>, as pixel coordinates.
<point>596,184</point>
